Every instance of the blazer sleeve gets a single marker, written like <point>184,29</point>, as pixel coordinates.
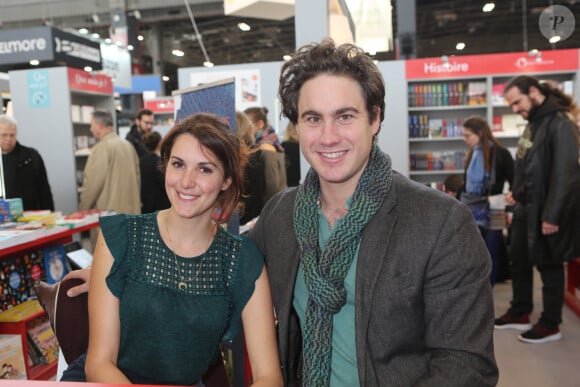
<point>94,177</point>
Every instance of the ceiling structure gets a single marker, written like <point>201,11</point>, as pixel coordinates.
<point>440,25</point>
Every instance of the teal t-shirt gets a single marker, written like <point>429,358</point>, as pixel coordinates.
<point>171,335</point>
<point>344,371</point>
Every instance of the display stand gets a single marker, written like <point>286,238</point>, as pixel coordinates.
<point>41,371</point>
<point>442,92</point>
<point>53,108</point>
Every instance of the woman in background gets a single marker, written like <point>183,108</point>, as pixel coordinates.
<point>292,152</point>
<point>168,287</point>
<point>489,167</point>
<point>263,131</point>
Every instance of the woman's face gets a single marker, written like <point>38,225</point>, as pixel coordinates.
<point>470,138</point>
<point>194,178</point>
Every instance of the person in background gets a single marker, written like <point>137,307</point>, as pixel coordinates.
<point>376,280</point>
<point>169,287</point>
<point>263,131</point>
<point>265,174</point>
<point>24,172</point>
<point>292,153</point>
<point>545,229</point>
<point>453,185</point>
<point>143,124</point>
<point>153,194</point>
<point>254,173</point>
<point>111,178</point>
<point>489,167</point>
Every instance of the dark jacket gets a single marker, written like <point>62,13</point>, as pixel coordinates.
<point>153,194</point>
<point>548,175</point>
<point>424,309</point>
<point>292,158</point>
<point>25,177</point>
<point>135,137</point>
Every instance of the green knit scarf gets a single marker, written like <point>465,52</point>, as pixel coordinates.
<point>325,271</point>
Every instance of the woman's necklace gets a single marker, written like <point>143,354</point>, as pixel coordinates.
<point>182,284</point>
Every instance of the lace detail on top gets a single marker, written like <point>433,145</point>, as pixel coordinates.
<point>156,266</point>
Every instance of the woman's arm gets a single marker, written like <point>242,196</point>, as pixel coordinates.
<point>104,323</point>
<point>260,337</point>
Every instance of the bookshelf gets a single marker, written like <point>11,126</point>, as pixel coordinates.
<point>441,94</point>
<point>16,319</point>
<point>56,122</point>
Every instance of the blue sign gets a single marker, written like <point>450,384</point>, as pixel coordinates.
<point>38,89</point>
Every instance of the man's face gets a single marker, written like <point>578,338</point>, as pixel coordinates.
<point>334,130</point>
<point>145,124</point>
<point>96,129</point>
<point>7,138</point>
<point>521,103</point>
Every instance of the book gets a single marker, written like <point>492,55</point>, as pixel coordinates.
<point>54,263</point>
<point>12,358</point>
<point>41,335</point>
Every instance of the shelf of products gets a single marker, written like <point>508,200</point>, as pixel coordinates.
<point>62,137</point>
<point>441,96</point>
<point>24,263</point>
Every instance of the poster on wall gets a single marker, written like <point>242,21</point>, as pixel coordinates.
<point>247,84</point>
<point>215,97</point>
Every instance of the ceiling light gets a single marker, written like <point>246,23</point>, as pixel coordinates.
<point>460,46</point>
<point>83,31</point>
<point>165,78</point>
<point>130,47</point>
<point>555,39</point>
<point>96,18</point>
<point>88,69</point>
<point>108,41</point>
<point>287,57</point>
<point>488,7</point>
<point>140,38</point>
<point>34,62</point>
<point>244,27</point>
<point>118,43</point>
<point>178,52</point>
<point>208,64</point>
<point>94,35</point>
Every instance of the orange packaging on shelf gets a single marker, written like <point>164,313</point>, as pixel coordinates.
<point>12,358</point>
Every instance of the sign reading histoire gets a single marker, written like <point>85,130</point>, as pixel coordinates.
<point>490,64</point>
<point>48,44</point>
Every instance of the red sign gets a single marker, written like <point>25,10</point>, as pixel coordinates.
<point>81,80</point>
<point>489,64</point>
<point>162,105</point>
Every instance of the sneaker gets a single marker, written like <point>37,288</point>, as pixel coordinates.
<point>507,321</point>
<point>540,334</point>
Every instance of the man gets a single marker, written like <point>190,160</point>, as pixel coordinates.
<point>546,222</point>
<point>143,124</point>
<point>24,172</point>
<point>111,179</point>
<point>387,279</point>
<point>376,280</point>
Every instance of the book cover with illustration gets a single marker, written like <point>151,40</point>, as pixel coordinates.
<point>54,263</point>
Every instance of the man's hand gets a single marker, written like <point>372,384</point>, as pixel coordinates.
<point>83,274</point>
<point>509,198</point>
<point>549,228</point>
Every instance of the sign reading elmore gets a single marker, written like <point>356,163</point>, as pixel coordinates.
<point>48,44</point>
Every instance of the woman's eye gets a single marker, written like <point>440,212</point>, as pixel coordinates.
<point>177,164</point>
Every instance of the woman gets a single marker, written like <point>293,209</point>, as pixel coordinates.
<point>265,174</point>
<point>263,131</point>
<point>292,151</point>
<point>168,287</point>
<point>489,167</point>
